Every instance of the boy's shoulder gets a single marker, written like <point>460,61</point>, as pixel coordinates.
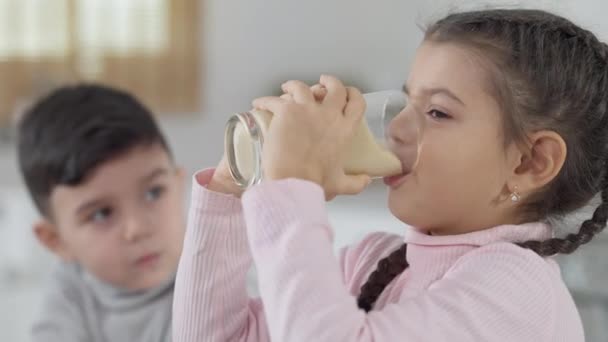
<point>62,309</point>
<point>68,272</point>
<point>66,280</point>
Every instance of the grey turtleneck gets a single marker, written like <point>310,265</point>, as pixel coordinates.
<point>79,308</point>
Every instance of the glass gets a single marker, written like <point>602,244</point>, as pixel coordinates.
<point>368,153</point>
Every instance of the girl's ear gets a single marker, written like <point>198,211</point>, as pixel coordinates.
<point>540,164</point>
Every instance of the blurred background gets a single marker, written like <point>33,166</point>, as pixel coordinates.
<point>196,62</point>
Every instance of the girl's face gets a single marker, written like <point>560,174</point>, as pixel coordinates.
<point>459,184</point>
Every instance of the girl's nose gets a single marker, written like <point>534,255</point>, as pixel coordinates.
<point>405,128</point>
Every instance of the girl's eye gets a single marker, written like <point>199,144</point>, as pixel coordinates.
<point>439,115</point>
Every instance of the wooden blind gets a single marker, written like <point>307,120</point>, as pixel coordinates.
<point>149,47</point>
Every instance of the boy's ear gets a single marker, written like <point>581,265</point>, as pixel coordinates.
<point>48,235</point>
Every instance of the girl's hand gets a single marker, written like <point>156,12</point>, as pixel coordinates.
<point>222,180</point>
<point>309,132</point>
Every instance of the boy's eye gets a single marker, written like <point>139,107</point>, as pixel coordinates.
<point>154,193</point>
<point>436,114</point>
<point>100,215</point>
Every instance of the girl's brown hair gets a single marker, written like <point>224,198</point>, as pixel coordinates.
<point>547,74</point>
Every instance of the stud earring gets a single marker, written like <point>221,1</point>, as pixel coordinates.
<point>515,196</point>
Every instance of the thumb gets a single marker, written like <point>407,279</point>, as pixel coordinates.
<point>352,184</point>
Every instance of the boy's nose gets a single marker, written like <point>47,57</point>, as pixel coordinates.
<point>135,229</point>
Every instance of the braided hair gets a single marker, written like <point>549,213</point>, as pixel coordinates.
<point>549,74</point>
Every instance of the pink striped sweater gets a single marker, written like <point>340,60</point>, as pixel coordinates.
<point>470,287</point>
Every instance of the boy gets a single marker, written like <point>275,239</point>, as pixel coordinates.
<point>102,176</point>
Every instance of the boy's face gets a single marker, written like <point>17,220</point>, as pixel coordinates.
<point>125,223</point>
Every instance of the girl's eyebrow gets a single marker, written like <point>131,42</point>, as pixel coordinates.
<point>434,91</point>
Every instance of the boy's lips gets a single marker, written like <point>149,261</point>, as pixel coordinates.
<point>147,260</point>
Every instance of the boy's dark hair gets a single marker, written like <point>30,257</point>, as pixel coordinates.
<point>64,136</point>
<point>547,74</point>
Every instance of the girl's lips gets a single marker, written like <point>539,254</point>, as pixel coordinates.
<point>395,181</point>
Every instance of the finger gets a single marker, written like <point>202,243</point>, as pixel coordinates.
<point>329,197</point>
<point>270,103</point>
<point>299,90</point>
<point>353,184</point>
<point>318,92</point>
<point>287,97</point>
<point>355,107</point>
<point>336,92</point>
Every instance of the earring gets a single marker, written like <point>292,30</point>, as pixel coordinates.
<point>515,196</point>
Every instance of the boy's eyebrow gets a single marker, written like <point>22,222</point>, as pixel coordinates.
<point>97,201</point>
<point>438,90</point>
<point>88,205</point>
<point>160,171</point>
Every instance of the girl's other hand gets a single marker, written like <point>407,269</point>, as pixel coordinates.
<point>309,131</point>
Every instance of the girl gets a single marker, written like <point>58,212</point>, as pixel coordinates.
<point>516,105</point>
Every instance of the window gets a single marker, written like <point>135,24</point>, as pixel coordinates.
<point>149,47</point>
